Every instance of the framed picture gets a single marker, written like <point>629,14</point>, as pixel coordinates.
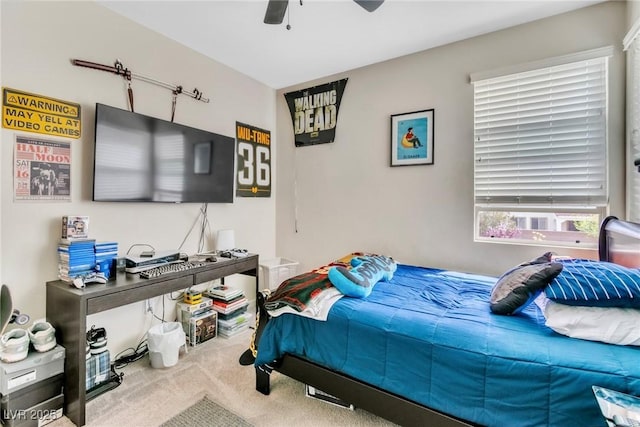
<point>412,138</point>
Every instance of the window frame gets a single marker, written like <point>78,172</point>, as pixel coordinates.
<point>531,209</point>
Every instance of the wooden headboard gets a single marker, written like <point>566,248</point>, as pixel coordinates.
<point>619,242</point>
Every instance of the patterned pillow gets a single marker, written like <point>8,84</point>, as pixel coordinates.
<point>595,283</point>
<point>366,271</point>
<point>518,287</point>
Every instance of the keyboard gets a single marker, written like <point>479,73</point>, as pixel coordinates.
<point>621,421</point>
<point>165,269</point>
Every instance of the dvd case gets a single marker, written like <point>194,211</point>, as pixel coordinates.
<point>75,227</point>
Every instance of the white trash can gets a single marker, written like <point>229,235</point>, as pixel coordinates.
<point>164,341</point>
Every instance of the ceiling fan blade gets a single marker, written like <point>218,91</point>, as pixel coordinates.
<point>275,11</point>
<point>369,5</point>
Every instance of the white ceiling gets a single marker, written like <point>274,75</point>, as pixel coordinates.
<point>327,36</point>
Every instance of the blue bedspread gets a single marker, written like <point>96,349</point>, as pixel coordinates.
<point>428,335</point>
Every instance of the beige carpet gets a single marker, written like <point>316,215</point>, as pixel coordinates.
<point>150,397</point>
<point>206,413</point>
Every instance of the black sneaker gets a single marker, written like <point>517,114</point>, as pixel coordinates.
<point>97,339</point>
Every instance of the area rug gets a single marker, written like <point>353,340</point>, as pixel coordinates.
<point>206,413</point>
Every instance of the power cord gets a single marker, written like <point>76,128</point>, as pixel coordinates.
<point>140,244</point>
<point>131,354</point>
<point>204,227</point>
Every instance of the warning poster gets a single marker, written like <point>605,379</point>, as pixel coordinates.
<point>34,113</point>
<point>41,169</point>
<point>314,112</point>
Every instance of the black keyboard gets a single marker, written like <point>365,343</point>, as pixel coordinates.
<point>165,269</point>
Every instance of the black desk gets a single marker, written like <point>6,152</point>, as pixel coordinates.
<point>68,308</point>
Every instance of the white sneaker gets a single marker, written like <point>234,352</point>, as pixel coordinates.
<point>14,345</point>
<point>42,336</point>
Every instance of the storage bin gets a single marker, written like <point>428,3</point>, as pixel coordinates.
<point>98,368</point>
<point>275,271</point>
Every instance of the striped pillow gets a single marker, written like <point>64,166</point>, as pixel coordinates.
<point>595,283</point>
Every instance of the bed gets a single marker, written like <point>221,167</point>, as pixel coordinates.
<point>425,349</point>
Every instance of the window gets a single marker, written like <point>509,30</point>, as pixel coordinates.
<point>539,223</point>
<point>540,152</point>
<point>632,46</point>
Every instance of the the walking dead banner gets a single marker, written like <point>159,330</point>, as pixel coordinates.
<point>314,112</point>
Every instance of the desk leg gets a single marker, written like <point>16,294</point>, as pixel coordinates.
<point>247,358</point>
<point>69,317</point>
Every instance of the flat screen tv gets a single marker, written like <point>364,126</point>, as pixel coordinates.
<point>138,158</point>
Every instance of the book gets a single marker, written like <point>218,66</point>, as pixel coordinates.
<point>224,292</point>
<point>232,304</point>
<point>229,309</point>
<point>229,333</point>
<point>232,314</point>
<point>224,303</point>
<point>75,227</point>
<point>235,321</point>
<point>76,243</point>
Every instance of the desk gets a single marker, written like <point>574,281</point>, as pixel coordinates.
<point>68,308</point>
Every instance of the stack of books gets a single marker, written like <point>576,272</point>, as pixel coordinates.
<point>106,254</point>
<point>76,258</point>
<point>231,305</point>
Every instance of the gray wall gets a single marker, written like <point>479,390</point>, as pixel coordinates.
<point>342,197</point>
<point>327,200</point>
<point>38,41</point>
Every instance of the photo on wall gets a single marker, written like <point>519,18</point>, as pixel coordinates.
<point>412,138</point>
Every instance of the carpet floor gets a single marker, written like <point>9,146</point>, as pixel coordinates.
<point>151,397</point>
<point>206,413</point>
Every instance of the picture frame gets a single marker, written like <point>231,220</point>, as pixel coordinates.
<point>412,138</point>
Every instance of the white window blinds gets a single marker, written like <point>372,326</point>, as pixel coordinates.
<point>540,137</point>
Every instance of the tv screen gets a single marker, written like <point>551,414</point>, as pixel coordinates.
<point>138,158</point>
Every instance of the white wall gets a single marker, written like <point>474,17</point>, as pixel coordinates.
<point>633,12</point>
<point>345,197</point>
<point>38,41</point>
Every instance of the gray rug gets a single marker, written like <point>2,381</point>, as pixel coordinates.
<point>206,413</point>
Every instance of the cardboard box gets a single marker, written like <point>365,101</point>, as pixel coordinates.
<point>34,405</point>
<point>202,327</point>
<point>75,227</point>
<point>35,367</point>
<point>184,310</point>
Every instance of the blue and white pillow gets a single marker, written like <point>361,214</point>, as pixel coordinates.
<point>587,282</point>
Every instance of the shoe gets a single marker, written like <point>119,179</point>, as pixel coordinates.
<point>97,339</point>
<point>14,345</point>
<point>42,336</point>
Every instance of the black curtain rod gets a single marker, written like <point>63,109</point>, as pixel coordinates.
<point>119,69</point>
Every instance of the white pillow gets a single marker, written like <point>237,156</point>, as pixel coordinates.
<point>612,325</point>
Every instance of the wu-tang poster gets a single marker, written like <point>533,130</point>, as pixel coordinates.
<point>314,112</point>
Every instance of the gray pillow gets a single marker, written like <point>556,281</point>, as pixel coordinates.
<point>519,286</point>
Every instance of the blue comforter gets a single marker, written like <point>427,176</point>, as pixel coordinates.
<point>428,335</point>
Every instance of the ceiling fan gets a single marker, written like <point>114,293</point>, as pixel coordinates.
<point>277,8</point>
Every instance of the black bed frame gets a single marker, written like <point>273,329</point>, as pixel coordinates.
<point>373,399</point>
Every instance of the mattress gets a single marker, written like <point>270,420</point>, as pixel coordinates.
<point>428,335</point>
